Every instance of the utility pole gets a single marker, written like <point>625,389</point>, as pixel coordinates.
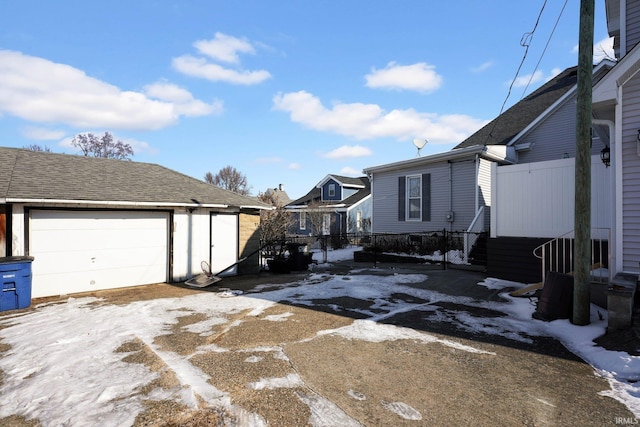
<point>582,218</point>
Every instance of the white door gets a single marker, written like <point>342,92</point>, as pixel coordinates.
<point>78,251</point>
<point>224,244</point>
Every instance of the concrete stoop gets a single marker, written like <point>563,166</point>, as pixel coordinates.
<point>620,301</point>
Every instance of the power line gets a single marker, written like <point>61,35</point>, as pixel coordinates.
<point>545,48</point>
<point>525,42</point>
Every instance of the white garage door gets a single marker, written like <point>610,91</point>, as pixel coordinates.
<point>78,251</point>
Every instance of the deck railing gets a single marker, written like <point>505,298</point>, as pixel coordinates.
<point>558,254</point>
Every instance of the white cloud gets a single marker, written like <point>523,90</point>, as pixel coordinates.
<point>200,67</point>
<point>349,171</point>
<point>482,67</point>
<point>346,151</point>
<point>369,121</point>
<point>183,100</point>
<point>601,50</point>
<point>294,166</point>
<point>420,77</point>
<point>224,48</point>
<point>528,79</point>
<point>38,90</point>
<point>43,134</point>
<point>537,77</point>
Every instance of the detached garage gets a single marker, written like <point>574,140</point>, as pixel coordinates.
<point>93,224</point>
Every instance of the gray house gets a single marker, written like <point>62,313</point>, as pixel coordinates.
<point>94,223</point>
<point>458,190</point>
<point>455,186</point>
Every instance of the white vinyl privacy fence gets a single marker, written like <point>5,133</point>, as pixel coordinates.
<point>537,199</point>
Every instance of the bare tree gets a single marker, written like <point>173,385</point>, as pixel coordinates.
<point>321,221</point>
<point>94,146</point>
<point>230,179</point>
<point>274,224</point>
<point>36,147</point>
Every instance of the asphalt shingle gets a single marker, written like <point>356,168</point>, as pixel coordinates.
<point>26,174</point>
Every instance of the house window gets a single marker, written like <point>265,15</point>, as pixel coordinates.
<point>414,198</point>
<point>332,190</point>
<point>359,220</point>
<point>303,220</point>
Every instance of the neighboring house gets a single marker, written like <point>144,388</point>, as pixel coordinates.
<point>457,190</point>
<point>93,223</point>
<point>443,191</point>
<point>278,195</point>
<point>338,205</point>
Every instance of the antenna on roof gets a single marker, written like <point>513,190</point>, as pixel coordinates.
<point>420,143</point>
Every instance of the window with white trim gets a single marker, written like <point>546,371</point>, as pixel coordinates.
<point>332,190</point>
<point>414,198</point>
<point>303,220</point>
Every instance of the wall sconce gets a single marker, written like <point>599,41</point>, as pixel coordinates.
<point>605,155</point>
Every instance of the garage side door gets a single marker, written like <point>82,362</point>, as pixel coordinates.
<point>224,244</point>
<point>91,250</point>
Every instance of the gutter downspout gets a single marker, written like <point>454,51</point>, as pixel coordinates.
<point>450,191</point>
<point>615,167</point>
<point>477,184</point>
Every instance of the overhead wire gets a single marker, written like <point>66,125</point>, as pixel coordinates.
<point>525,41</point>
<point>545,48</point>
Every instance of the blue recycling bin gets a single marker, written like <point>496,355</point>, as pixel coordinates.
<point>15,282</point>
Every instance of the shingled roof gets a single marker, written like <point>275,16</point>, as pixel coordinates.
<point>316,193</point>
<point>29,175</point>
<point>502,129</point>
<point>507,125</point>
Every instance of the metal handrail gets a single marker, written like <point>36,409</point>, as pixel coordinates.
<point>557,254</point>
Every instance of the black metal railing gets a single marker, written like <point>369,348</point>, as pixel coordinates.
<point>448,249</point>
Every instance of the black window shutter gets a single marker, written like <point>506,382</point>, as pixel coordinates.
<point>426,197</point>
<point>402,193</point>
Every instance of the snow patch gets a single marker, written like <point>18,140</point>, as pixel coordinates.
<point>402,409</point>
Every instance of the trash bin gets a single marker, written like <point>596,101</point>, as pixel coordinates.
<point>299,256</point>
<point>556,298</point>
<point>15,282</point>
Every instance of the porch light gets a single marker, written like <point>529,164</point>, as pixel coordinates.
<point>605,155</point>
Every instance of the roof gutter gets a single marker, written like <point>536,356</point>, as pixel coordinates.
<point>496,153</point>
<point>114,203</point>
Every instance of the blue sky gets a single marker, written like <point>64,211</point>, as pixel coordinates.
<point>285,91</point>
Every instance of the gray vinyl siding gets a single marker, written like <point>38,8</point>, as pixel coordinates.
<point>484,182</point>
<point>555,137</point>
<point>385,198</point>
<point>633,24</point>
<point>464,194</point>
<point>630,176</point>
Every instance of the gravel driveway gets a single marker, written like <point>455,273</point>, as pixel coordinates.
<point>317,358</point>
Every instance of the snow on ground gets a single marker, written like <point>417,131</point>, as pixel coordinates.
<point>42,378</point>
